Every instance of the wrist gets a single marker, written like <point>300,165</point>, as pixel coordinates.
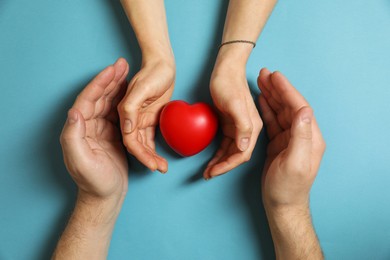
<point>234,55</point>
<point>227,67</point>
<point>284,214</point>
<point>96,211</point>
<point>158,54</point>
<point>89,230</point>
<point>155,59</point>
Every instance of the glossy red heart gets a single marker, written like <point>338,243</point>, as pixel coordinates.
<point>188,129</point>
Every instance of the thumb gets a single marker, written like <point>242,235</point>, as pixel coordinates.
<point>243,125</point>
<point>300,145</point>
<point>128,109</point>
<point>72,140</point>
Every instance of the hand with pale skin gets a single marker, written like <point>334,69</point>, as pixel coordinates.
<point>148,92</point>
<point>294,154</point>
<point>240,121</point>
<point>95,158</point>
<point>152,87</point>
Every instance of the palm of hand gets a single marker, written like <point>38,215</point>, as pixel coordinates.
<point>90,140</point>
<point>275,178</point>
<point>107,170</point>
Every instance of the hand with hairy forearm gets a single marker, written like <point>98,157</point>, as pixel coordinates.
<point>96,160</point>
<point>294,154</point>
<point>152,87</point>
<point>229,88</point>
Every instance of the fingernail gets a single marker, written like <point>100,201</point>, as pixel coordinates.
<point>127,127</point>
<point>207,178</point>
<point>161,171</point>
<point>306,119</point>
<point>244,144</point>
<point>72,117</point>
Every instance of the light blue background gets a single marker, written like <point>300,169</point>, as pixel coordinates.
<point>337,53</point>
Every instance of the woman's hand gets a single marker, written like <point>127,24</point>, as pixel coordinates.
<point>240,120</point>
<point>139,111</point>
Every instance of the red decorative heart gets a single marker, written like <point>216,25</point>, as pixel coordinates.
<point>188,129</point>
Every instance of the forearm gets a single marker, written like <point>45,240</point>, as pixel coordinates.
<point>149,23</point>
<point>293,234</point>
<point>245,20</point>
<point>89,230</point>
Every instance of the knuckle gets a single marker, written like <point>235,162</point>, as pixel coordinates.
<point>258,124</point>
<point>61,139</point>
<point>128,144</point>
<point>247,157</point>
<point>125,108</point>
<point>65,139</point>
<point>246,127</point>
<point>322,145</point>
<point>300,169</point>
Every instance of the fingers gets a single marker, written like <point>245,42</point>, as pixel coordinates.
<point>104,105</point>
<point>148,136</point>
<point>129,107</point>
<point>116,87</point>
<point>265,84</point>
<point>280,96</point>
<point>243,124</point>
<point>96,98</point>
<point>227,158</point>
<point>223,149</point>
<point>137,144</point>
<point>113,115</point>
<point>289,96</point>
<point>72,140</point>
<point>299,150</point>
<point>95,89</point>
<point>270,119</point>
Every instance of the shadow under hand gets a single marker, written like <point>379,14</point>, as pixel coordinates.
<point>251,188</point>
<point>167,149</point>
<point>57,175</point>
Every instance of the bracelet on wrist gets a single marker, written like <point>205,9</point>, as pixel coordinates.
<point>237,41</point>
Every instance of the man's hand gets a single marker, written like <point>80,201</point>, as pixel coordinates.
<point>296,145</point>
<point>96,160</point>
<point>293,158</point>
<point>240,121</point>
<point>139,111</point>
<point>91,143</point>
